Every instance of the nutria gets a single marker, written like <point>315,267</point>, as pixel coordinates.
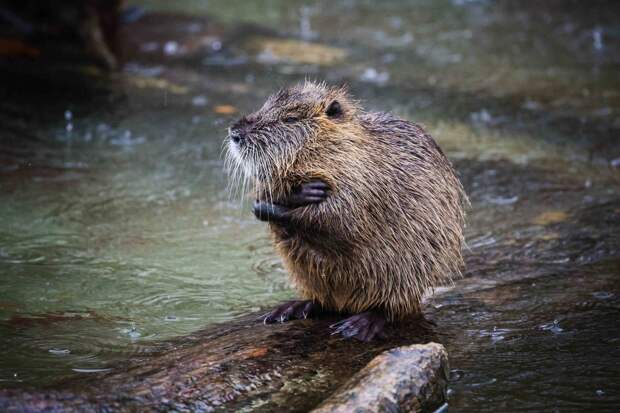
<point>364,208</point>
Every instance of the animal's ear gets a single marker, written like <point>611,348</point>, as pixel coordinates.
<point>334,110</point>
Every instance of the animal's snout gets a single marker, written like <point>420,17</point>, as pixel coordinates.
<point>234,134</point>
<point>240,129</point>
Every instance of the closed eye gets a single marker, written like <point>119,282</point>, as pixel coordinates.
<point>291,119</point>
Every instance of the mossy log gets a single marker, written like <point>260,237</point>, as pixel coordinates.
<point>243,365</point>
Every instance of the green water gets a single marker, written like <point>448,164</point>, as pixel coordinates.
<point>117,227</point>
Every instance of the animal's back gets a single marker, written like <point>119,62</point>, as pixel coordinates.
<point>392,228</point>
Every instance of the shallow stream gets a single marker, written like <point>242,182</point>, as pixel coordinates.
<point>118,231</point>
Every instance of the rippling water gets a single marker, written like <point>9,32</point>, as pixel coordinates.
<point>118,231</point>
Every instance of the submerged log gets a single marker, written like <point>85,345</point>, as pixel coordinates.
<point>245,365</point>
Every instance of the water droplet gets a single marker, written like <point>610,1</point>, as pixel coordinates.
<point>456,375</point>
<point>501,200</point>
<point>554,327</point>
<point>59,351</point>
<point>216,45</point>
<point>68,115</point>
<point>482,241</point>
<point>305,29</point>
<point>199,100</point>
<point>597,39</point>
<point>602,295</point>
<point>171,48</point>
<point>482,116</point>
<point>372,75</point>
<point>484,383</point>
<point>132,332</point>
<point>90,370</point>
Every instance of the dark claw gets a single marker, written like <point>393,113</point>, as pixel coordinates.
<point>314,192</point>
<point>364,327</point>
<point>292,310</point>
<point>316,185</point>
<point>313,199</point>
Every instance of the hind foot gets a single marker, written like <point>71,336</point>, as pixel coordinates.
<point>292,310</point>
<point>364,326</point>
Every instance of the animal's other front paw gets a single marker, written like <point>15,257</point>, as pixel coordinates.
<point>266,211</point>
<point>364,326</point>
<point>312,192</point>
<point>292,310</point>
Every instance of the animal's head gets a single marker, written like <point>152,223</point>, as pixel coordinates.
<point>266,144</point>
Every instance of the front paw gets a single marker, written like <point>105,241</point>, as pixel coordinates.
<point>312,192</point>
<point>269,212</point>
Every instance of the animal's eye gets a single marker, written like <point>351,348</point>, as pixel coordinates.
<point>291,119</point>
<point>334,110</point>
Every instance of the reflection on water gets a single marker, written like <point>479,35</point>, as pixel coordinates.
<point>118,231</point>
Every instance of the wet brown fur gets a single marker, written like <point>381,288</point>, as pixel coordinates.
<point>392,226</point>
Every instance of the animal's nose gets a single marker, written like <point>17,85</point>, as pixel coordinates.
<point>235,135</point>
<point>240,129</point>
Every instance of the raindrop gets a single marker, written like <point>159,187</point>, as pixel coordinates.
<point>199,100</point>
<point>597,39</point>
<point>90,370</point>
<point>132,332</point>
<point>216,45</point>
<point>372,75</point>
<point>171,48</point>
<point>456,375</point>
<point>602,295</point>
<point>305,30</point>
<point>554,327</point>
<point>501,200</point>
<point>483,116</point>
<point>59,351</point>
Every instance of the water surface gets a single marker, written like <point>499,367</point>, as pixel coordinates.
<point>118,231</point>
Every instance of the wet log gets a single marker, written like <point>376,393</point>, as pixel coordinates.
<point>408,379</point>
<point>245,365</point>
